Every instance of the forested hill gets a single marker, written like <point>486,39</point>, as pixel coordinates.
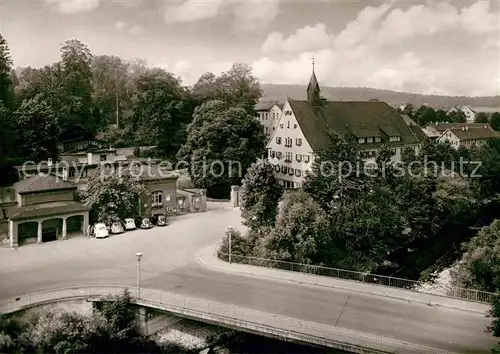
<point>278,93</point>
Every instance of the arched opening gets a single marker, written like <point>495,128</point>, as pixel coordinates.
<point>74,224</point>
<point>27,232</point>
<point>51,229</point>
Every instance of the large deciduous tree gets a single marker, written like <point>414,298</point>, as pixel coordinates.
<point>221,144</point>
<point>260,195</point>
<point>495,121</point>
<point>113,192</point>
<point>38,126</point>
<point>162,111</point>
<point>6,85</point>
<point>481,117</point>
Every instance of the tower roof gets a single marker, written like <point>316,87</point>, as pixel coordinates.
<point>313,83</point>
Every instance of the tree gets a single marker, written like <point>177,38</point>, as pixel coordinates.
<point>425,115</point>
<point>495,121</point>
<point>457,117</point>
<point>481,117</point>
<point>78,117</point>
<point>441,116</point>
<point>162,112</point>
<point>260,194</point>
<point>236,88</point>
<point>408,154</point>
<point>113,193</point>
<point>301,232</point>
<point>38,127</point>
<point>6,90</point>
<point>221,144</point>
<point>111,92</point>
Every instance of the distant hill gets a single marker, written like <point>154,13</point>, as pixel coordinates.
<point>298,92</point>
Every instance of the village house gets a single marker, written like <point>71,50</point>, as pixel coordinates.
<point>306,127</point>
<point>435,130</point>
<point>467,135</point>
<point>472,112</point>
<point>268,114</point>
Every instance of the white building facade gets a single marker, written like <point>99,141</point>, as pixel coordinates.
<point>268,115</point>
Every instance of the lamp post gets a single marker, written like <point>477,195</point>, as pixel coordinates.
<point>139,256</point>
<point>229,233</point>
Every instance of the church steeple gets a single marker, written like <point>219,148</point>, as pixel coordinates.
<point>313,91</point>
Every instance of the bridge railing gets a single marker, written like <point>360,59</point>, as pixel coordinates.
<point>374,279</point>
<point>225,314</point>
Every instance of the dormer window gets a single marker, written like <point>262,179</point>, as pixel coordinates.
<point>369,140</point>
<point>278,140</point>
<point>361,140</point>
<point>378,139</point>
<point>394,138</point>
<point>298,141</point>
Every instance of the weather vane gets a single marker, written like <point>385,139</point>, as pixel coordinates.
<point>313,61</point>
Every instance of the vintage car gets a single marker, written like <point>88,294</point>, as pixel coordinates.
<point>116,227</point>
<point>100,230</point>
<point>130,224</point>
<point>146,223</point>
<point>161,221</point>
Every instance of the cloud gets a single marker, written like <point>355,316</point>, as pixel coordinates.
<point>120,26</point>
<point>136,30</point>
<point>73,6</point>
<point>304,39</point>
<point>248,15</point>
<point>433,48</point>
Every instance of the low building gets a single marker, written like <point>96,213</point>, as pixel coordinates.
<point>472,112</point>
<point>435,130</point>
<point>305,127</point>
<point>45,209</point>
<point>467,136</point>
<point>268,114</point>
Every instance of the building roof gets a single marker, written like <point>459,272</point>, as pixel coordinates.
<point>418,132</point>
<point>313,83</point>
<point>42,182</point>
<point>363,119</point>
<point>441,127</point>
<point>475,133</point>
<point>266,106</point>
<point>48,209</point>
<point>487,110</point>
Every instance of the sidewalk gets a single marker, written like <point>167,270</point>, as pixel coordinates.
<point>208,259</point>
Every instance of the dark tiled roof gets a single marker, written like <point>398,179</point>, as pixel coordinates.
<point>476,133</point>
<point>313,83</point>
<point>363,119</point>
<point>47,210</point>
<point>441,127</point>
<point>42,182</point>
<point>418,132</point>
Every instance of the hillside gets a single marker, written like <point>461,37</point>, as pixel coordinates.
<point>278,93</point>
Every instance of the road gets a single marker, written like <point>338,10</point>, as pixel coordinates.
<point>169,263</point>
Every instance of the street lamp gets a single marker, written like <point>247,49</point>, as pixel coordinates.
<point>139,256</point>
<point>229,233</point>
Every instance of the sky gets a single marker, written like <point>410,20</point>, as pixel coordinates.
<point>429,47</point>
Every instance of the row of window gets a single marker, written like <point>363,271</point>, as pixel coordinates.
<point>288,125</point>
<point>289,141</point>
<point>289,156</point>
<point>266,115</point>
<point>288,170</point>
<point>377,139</point>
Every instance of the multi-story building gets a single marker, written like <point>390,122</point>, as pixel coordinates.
<point>306,127</point>
<point>467,135</point>
<point>268,114</point>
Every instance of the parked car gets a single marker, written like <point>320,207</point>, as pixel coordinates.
<point>154,219</point>
<point>161,221</point>
<point>130,224</point>
<point>100,230</point>
<point>146,223</point>
<point>116,227</point>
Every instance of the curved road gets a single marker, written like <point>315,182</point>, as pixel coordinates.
<point>169,263</point>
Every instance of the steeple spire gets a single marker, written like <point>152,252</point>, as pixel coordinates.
<point>313,91</point>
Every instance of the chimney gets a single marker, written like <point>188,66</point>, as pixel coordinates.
<point>89,158</point>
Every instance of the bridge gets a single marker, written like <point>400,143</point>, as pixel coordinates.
<point>296,306</point>
<point>225,315</point>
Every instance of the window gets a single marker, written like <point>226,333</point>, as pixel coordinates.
<point>394,138</point>
<point>369,140</point>
<point>283,169</point>
<point>278,154</point>
<point>277,168</point>
<point>288,142</point>
<point>266,129</point>
<point>103,157</point>
<point>272,154</point>
<point>281,126</point>
<point>306,158</point>
<point>298,141</point>
<point>297,172</point>
<point>295,126</point>
<point>278,140</point>
<point>288,113</point>
<point>71,173</point>
<point>361,140</point>
<point>288,157</point>
<point>288,124</point>
<point>157,198</point>
<point>290,171</point>
<point>298,157</point>
<point>274,128</point>
<point>378,139</point>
